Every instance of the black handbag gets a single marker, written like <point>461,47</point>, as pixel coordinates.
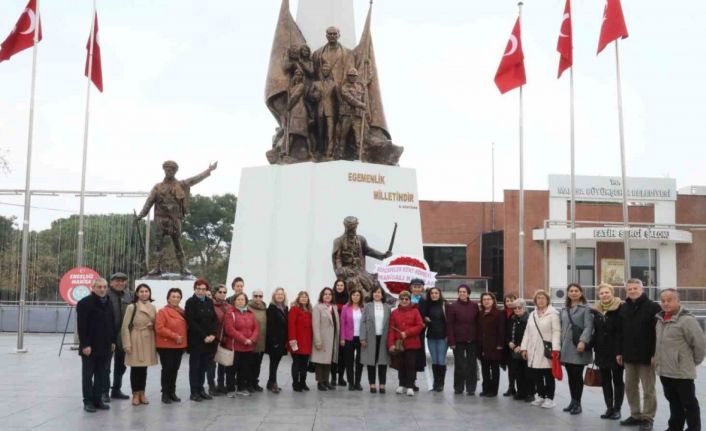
<point>547,344</point>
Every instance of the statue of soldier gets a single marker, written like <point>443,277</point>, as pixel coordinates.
<point>353,111</point>
<point>325,93</point>
<point>349,251</point>
<point>171,199</point>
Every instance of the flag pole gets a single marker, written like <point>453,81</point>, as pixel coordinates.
<point>572,258</point>
<point>621,128</point>
<point>79,254</point>
<point>521,280</point>
<point>492,186</point>
<point>28,173</point>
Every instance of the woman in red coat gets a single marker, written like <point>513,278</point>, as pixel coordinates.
<point>406,324</point>
<point>242,330</point>
<point>300,335</point>
<point>491,333</point>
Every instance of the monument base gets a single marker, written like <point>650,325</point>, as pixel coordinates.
<point>161,287</point>
<point>288,217</point>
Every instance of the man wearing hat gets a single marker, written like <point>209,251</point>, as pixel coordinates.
<point>119,298</point>
<point>352,110</point>
<point>171,201</point>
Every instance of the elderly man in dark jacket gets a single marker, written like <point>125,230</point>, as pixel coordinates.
<point>96,338</point>
<point>120,297</point>
<point>462,336</point>
<point>636,351</point>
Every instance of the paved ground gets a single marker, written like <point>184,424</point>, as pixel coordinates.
<point>40,391</point>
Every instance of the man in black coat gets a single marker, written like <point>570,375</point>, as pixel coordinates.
<point>202,326</point>
<point>636,351</point>
<point>120,297</point>
<point>96,335</point>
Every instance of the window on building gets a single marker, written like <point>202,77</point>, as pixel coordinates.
<point>446,260</point>
<point>643,265</point>
<point>585,266</point>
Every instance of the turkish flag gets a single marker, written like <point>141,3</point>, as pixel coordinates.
<point>22,36</point>
<point>613,24</point>
<point>511,71</point>
<point>95,60</point>
<point>564,45</point>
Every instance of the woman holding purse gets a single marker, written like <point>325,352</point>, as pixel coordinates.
<point>300,340</point>
<point>405,326</point>
<point>242,330</point>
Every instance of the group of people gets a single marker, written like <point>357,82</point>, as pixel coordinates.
<point>347,331</point>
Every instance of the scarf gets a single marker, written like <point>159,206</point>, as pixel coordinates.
<point>611,306</point>
<point>416,299</point>
<point>243,310</point>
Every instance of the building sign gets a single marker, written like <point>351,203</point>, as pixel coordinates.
<point>635,233</point>
<point>76,284</point>
<point>613,271</point>
<point>610,189</point>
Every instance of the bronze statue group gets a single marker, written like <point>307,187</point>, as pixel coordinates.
<point>624,344</point>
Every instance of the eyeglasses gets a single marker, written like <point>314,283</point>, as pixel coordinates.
<point>404,299</point>
<point>257,296</point>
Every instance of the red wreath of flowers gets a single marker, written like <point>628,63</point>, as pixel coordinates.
<point>397,286</point>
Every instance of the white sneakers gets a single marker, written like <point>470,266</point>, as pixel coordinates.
<point>538,402</point>
<point>548,404</point>
<point>400,390</point>
<point>410,392</point>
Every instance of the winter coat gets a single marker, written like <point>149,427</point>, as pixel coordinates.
<point>605,335</point>
<point>119,302</point>
<point>239,327</point>
<point>170,324</point>
<point>201,322</point>
<point>462,322</point>
<point>636,334</point>
<point>550,327</point>
<point>299,329</point>
<point>491,335</point>
<point>326,327</point>
<point>221,308</point>
<point>260,312</point>
<point>95,325</point>
<point>435,311</point>
<point>368,334</point>
<point>583,318</point>
<point>276,339</point>
<point>140,340</point>
<point>347,322</point>
<point>408,320</point>
<point>680,345</point>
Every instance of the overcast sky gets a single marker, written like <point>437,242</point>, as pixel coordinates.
<point>184,80</point>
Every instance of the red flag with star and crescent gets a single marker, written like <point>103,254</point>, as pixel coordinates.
<point>511,71</point>
<point>95,62</point>
<point>564,45</point>
<point>22,36</point>
<point>613,27</point>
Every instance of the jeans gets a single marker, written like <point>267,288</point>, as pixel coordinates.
<point>408,368</point>
<point>244,369</point>
<point>93,377</point>
<point>491,376</point>
<point>352,354</point>
<point>635,374</point>
<point>437,350</point>
<point>613,387</point>
<point>171,361</point>
<point>274,364</point>
<point>465,367</point>
<point>198,366</point>
<point>574,373</point>
<point>544,382</point>
<point>683,405</point>
<point>221,375</point>
<point>119,369</point>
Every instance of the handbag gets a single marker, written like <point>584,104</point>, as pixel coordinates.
<point>546,344</point>
<point>398,346</point>
<point>592,377</point>
<point>576,331</point>
<point>224,356</point>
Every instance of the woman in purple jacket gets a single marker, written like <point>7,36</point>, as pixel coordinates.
<point>491,334</point>
<point>351,316</point>
<point>462,335</point>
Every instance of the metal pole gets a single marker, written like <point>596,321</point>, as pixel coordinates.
<point>545,261</point>
<point>79,254</point>
<point>626,227</point>
<point>25,222</point>
<point>147,241</point>
<point>521,268</point>
<point>492,176</point>
<point>572,257</point>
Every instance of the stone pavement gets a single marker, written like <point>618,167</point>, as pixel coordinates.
<point>40,391</point>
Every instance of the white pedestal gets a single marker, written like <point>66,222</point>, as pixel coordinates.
<point>161,287</point>
<point>288,217</point>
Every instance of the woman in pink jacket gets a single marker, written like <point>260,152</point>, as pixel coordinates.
<point>241,329</point>
<point>351,316</point>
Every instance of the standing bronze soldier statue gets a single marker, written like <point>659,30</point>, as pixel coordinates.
<point>171,203</point>
<point>349,251</point>
<point>352,116</point>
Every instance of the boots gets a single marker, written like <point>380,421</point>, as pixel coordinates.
<point>135,398</point>
<point>576,410</point>
<point>143,398</point>
<point>296,386</point>
<point>302,381</point>
<point>435,373</point>
<point>570,406</point>
<point>442,378</point>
